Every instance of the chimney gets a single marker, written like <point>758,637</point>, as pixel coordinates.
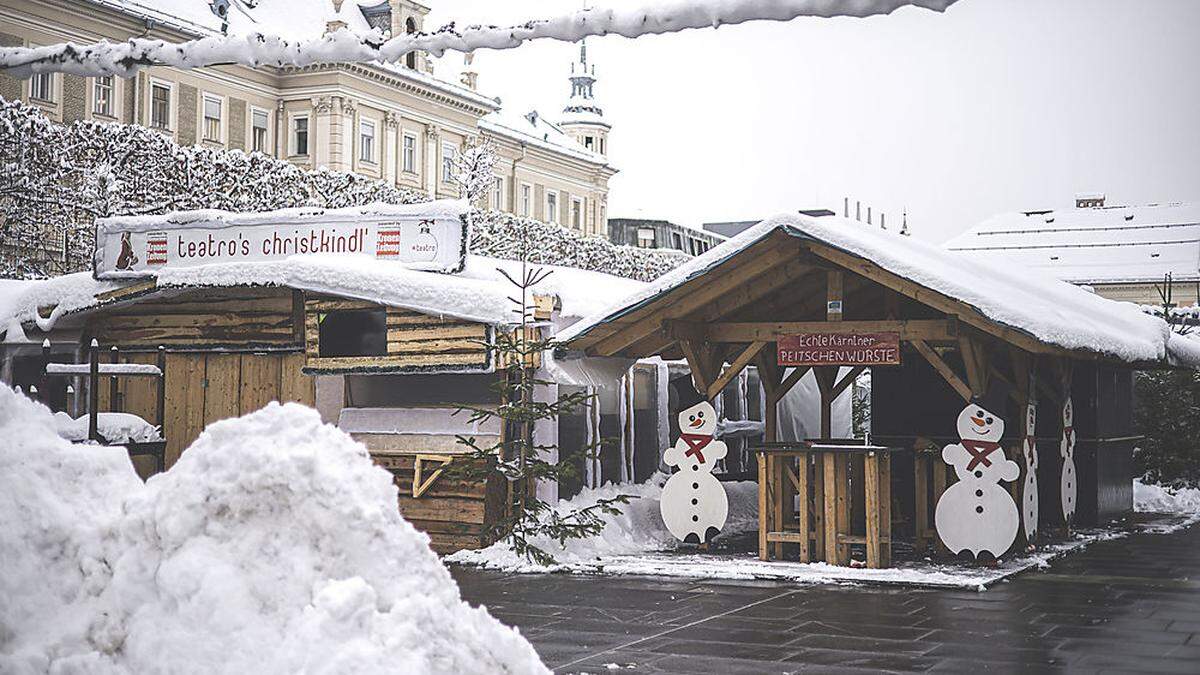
<point>335,22</point>
<point>1089,200</point>
<point>845,207</point>
<point>882,226</point>
<point>858,211</point>
<point>868,215</point>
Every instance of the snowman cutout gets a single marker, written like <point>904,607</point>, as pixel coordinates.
<point>693,504</point>
<point>1066,449</point>
<point>1029,495</point>
<point>976,514</point>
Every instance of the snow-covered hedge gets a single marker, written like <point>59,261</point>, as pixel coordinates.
<point>498,235</point>
<point>55,180</point>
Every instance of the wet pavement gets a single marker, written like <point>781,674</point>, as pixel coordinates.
<point>1128,605</point>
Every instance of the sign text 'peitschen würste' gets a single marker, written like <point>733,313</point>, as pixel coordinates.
<point>839,349</point>
<point>430,237</point>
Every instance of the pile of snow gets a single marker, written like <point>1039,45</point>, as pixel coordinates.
<point>1150,498</point>
<point>638,530</point>
<point>114,427</point>
<point>273,545</point>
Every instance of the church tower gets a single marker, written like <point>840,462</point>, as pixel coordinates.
<point>583,118</point>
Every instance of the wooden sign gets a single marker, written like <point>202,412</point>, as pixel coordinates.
<point>839,349</point>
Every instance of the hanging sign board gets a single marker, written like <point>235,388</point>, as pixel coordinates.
<point>135,247</point>
<point>839,349</point>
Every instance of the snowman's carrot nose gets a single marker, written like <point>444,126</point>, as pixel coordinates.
<point>695,423</point>
<point>978,422</point>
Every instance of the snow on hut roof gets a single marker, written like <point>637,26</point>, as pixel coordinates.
<point>479,293</point>
<point>1117,244</point>
<point>1045,308</point>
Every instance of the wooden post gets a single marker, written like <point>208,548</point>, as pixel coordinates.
<point>885,510</point>
<point>44,389</point>
<point>93,389</point>
<point>872,493</point>
<point>843,506</point>
<point>763,508</point>
<point>802,498</point>
<point>829,478</point>
<point>113,384</point>
<point>818,499</point>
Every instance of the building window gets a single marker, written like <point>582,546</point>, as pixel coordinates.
<point>102,96</point>
<point>589,142</point>
<point>577,214</point>
<point>645,237</point>
<point>366,141</point>
<point>498,194</point>
<point>602,145</point>
<point>160,106</point>
<point>259,121</point>
<point>676,241</point>
<point>41,87</point>
<point>212,118</point>
<point>410,59</point>
<point>448,162</point>
<point>551,206</point>
<point>410,153</point>
<point>300,136</point>
<point>526,200</point>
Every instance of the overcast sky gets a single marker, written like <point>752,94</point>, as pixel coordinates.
<point>996,105</point>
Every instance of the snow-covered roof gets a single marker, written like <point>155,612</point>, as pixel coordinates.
<point>289,19</point>
<point>1032,302</point>
<point>479,293</point>
<point>1116,244</point>
<point>536,130</point>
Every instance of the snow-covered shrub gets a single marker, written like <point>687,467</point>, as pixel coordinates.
<point>497,235</point>
<point>1167,412</point>
<point>273,546</point>
<point>57,179</point>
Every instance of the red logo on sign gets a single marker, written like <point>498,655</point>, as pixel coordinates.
<point>387,243</point>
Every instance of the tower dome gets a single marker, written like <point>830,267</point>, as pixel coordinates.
<point>582,117</point>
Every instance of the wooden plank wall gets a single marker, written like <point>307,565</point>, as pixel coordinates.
<point>414,340</point>
<point>203,388</point>
<point>456,514</point>
<point>202,319</point>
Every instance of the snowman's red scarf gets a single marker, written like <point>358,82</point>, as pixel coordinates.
<point>979,451</point>
<point>696,443</point>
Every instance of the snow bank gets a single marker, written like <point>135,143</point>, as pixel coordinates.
<point>60,505</point>
<point>1158,499</point>
<point>274,545</point>
<point>639,528</point>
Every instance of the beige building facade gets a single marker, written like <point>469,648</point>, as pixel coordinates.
<point>398,123</point>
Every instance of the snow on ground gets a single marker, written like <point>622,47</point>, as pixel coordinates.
<point>115,427</point>
<point>637,530</point>
<point>273,546</point>
<point>637,543</point>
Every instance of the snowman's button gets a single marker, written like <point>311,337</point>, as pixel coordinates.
<point>695,502</point>
<point>979,493</point>
<point>978,474</point>
<point>695,518</point>
<point>979,509</point>
<point>695,486</point>
<point>695,467</point>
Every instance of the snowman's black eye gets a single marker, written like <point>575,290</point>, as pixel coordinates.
<point>979,413</point>
<point>700,415</point>
<point>989,420</point>
<point>692,418</point>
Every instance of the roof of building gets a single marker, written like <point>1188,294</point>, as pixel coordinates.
<point>732,228</point>
<point>1114,244</point>
<point>1003,295</point>
<point>289,19</point>
<point>535,129</point>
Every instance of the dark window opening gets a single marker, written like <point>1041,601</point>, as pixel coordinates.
<point>359,332</point>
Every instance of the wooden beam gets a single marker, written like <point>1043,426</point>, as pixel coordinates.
<point>847,380</point>
<point>769,375</point>
<point>691,296</point>
<point>734,368</point>
<point>974,359</point>
<point>929,330</point>
<point>791,379</point>
<point>833,295</point>
<point>942,369</point>
<point>700,359</point>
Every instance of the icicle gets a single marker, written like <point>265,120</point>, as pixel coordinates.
<point>632,429</point>
<point>663,410</point>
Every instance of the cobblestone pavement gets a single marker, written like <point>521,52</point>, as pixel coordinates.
<point>1129,605</point>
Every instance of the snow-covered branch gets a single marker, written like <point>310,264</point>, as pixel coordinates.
<point>126,58</point>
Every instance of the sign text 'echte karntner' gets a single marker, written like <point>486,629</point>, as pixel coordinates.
<point>839,349</point>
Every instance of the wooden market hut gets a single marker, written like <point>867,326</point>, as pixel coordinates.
<point>967,331</point>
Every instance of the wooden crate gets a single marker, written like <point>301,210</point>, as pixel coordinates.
<point>456,514</point>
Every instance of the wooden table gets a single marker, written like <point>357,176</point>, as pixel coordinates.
<point>818,473</point>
